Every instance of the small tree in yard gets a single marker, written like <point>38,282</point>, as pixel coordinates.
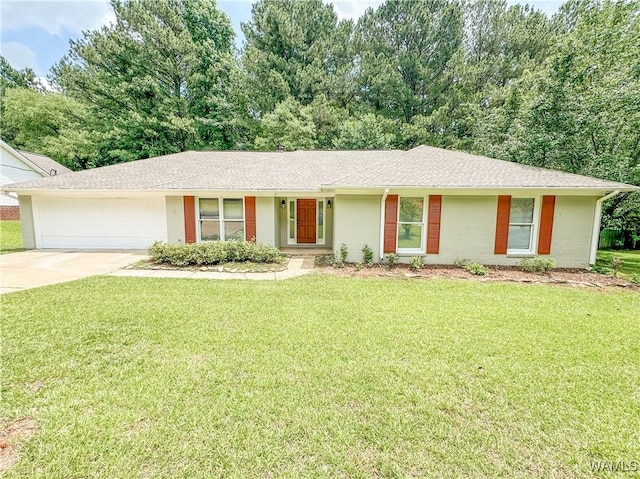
<point>367,255</point>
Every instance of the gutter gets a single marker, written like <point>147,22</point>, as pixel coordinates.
<point>382,212</point>
<point>595,237</point>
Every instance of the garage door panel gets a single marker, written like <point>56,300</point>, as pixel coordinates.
<point>109,223</point>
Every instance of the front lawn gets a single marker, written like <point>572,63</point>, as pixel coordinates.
<point>10,237</point>
<point>320,377</point>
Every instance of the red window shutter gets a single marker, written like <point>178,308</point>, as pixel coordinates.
<point>502,224</point>
<point>189,219</point>
<point>390,223</point>
<point>546,224</point>
<point>433,225</point>
<point>250,218</point>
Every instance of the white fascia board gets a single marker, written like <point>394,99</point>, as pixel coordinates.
<point>257,193</point>
<point>97,193</point>
<point>535,191</point>
<point>321,193</point>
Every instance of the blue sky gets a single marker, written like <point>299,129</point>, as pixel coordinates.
<point>36,33</point>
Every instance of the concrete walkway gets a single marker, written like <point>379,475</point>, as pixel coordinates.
<point>32,269</point>
<point>296,267</point>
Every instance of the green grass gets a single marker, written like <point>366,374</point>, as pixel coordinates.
<point>10,237</point>
<point>630,261</point>
<point>320,377</point>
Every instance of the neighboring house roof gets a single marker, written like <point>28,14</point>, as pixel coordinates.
<point>46,164</point>
<point>41,164</point>
<point>422,167</point>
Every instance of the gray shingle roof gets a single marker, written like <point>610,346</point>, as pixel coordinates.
<point>210,170</point>
<point>427,166</point>
<point>311,170</point>
<point>45,163</point>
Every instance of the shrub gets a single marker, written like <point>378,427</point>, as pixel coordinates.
<point>461,262</point>
<point>324,260</point>
<point>262,253</point>
<point>416,263</point>
<point>340,257</point>
<point>213,252</point>
<point>538,264</point>
<point>367,255</point>
<point>616,264</point>
<point>391,259</point>
<point>344,252</point>
<point>476,268</point>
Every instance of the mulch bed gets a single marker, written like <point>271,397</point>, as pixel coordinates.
<point>559,276</point>
<point>226,268</point>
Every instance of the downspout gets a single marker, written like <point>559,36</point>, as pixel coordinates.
<point>595,237</point>
<point>382,213</point>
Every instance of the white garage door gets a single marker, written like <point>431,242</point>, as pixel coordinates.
<point>105,223</point>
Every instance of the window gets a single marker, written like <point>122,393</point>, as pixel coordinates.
<point>216,224</point>
<point>320,231</point>
<point>292,219</point>
<point>521,225</point>
<point>209,219</point>
<point>233,216</point>
<point>411,224</point>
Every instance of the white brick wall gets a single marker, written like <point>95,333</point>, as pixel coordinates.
<point>356,223</point>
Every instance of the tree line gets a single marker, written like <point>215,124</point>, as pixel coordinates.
<point>560,92</point>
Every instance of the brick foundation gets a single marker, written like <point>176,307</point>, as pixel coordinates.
<point>9,212</point>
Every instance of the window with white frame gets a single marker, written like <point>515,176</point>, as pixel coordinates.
<point>521,225</point>
<point>411,224</point>
<point>292,221</point>
<point>320,222</point>
<point>226,223</point>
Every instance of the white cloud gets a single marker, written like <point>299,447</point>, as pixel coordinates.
<point>19,56</point>
<point>353,9</point>
<point>56,16</point>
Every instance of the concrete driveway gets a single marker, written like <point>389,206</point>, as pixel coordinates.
<point>31,269</point>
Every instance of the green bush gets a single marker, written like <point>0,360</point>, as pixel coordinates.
<point>324,260</point>
<point>476,268</point>
<point>340,258</point>
<point>367,255</point>
<point>213,252</point>
<point>461,262</point>
<point>344,252</point>
<point>538,264</point>
<point>391,259</point>
<point>416,263</point>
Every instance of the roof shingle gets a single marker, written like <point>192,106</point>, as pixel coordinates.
<point>430,167</point>
<point>422,167</point>
<point>46,164</point>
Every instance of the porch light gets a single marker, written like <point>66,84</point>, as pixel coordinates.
<point>283,204</point>
<point>328,203</point>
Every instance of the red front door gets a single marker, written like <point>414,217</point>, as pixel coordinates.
<point>306,223</point>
